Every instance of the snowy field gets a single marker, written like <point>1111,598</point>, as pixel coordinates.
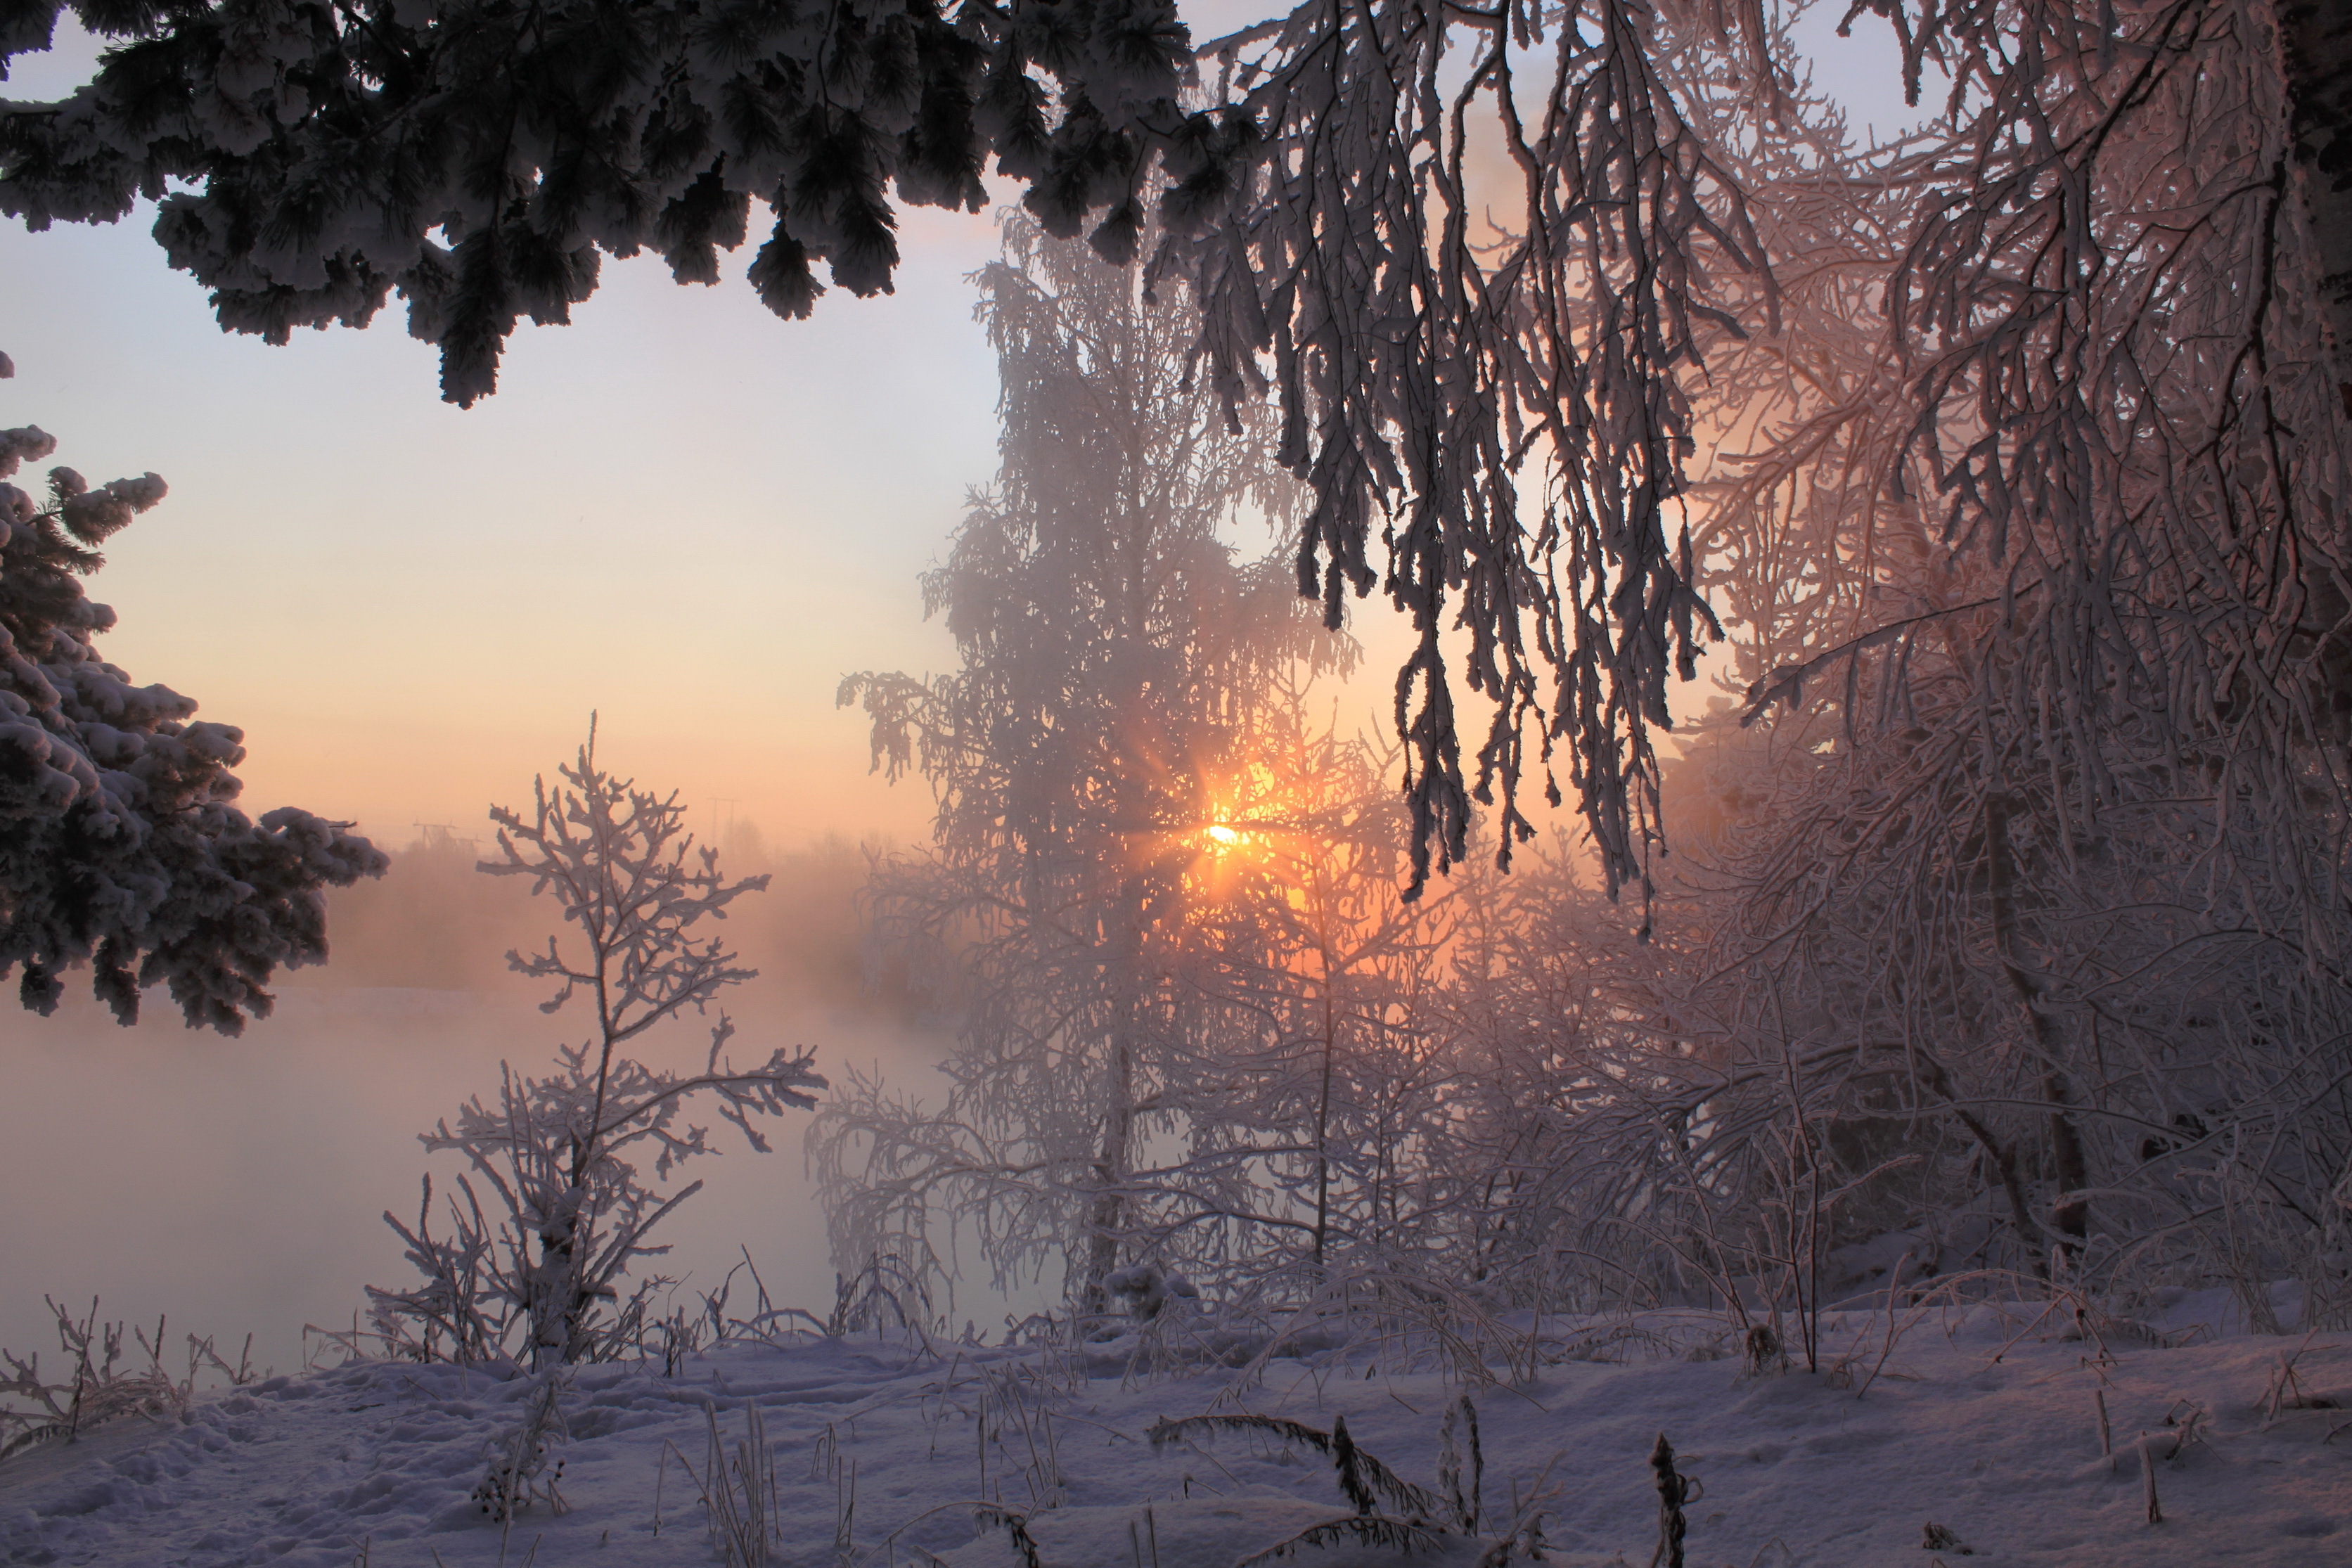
<point>1978,1437</point>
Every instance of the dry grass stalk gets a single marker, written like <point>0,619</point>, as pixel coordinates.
<point>99,1390</point>
<point>520,1471</point>
<point>1017,1528</point>
<point>1673,1492</point>
<point>738,1491</point>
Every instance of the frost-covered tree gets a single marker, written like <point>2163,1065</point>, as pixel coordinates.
<point>571,1208</point>
<point>1479,255</point>
<point>120,844</point>
<point>2017,932</point>
<point>1322,189</point>
<point>1326,1114</point>
<point>1111,645</point>
<point>2010,454</point>
<point>2032,518</point>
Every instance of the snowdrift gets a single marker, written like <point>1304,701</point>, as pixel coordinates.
<point>1982,1436</point>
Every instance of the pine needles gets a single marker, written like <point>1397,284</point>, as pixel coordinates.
<point>1368,1528</point>
<point>1366,1481</point>
<point>1457,1441</point>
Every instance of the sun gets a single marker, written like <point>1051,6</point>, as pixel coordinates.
<point>1222,836</point>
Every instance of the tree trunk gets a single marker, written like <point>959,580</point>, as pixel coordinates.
<point>2070,1217</point>
<point>2315,44</point>
<point>1110,1170</point>
<point>555,1293</point>
<point>1323,1094</point>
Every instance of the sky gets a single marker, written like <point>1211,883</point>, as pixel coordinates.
<point>679,511</point>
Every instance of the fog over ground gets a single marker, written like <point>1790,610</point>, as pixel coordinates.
<point>237,1185</point>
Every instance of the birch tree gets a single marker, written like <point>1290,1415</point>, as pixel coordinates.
<point>1110,647</point>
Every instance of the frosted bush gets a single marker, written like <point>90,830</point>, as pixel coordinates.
<point>534,1271</point>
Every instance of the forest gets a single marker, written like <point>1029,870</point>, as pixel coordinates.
<point>1616,758</point>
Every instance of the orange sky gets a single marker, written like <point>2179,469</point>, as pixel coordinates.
<point>680,510</point>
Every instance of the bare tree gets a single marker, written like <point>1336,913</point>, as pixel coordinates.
<point>2018,930</point>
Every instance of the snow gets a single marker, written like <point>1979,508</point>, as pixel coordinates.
<point>1984,1425</point>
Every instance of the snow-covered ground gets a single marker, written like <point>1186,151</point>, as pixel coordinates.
<point>1984,1422</point>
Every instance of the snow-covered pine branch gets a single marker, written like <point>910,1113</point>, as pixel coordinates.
<point>120,844</point>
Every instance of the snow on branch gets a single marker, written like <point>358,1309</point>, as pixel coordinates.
<point>121,847</point>
<point>630,879</point>
<point>1443,273</point>
<point>561,1155</point>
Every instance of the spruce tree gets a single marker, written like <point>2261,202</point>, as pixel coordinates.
<point>121,846</point>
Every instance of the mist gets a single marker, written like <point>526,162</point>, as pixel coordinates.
<point>235,1185</point>
<point>1640,714</point>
